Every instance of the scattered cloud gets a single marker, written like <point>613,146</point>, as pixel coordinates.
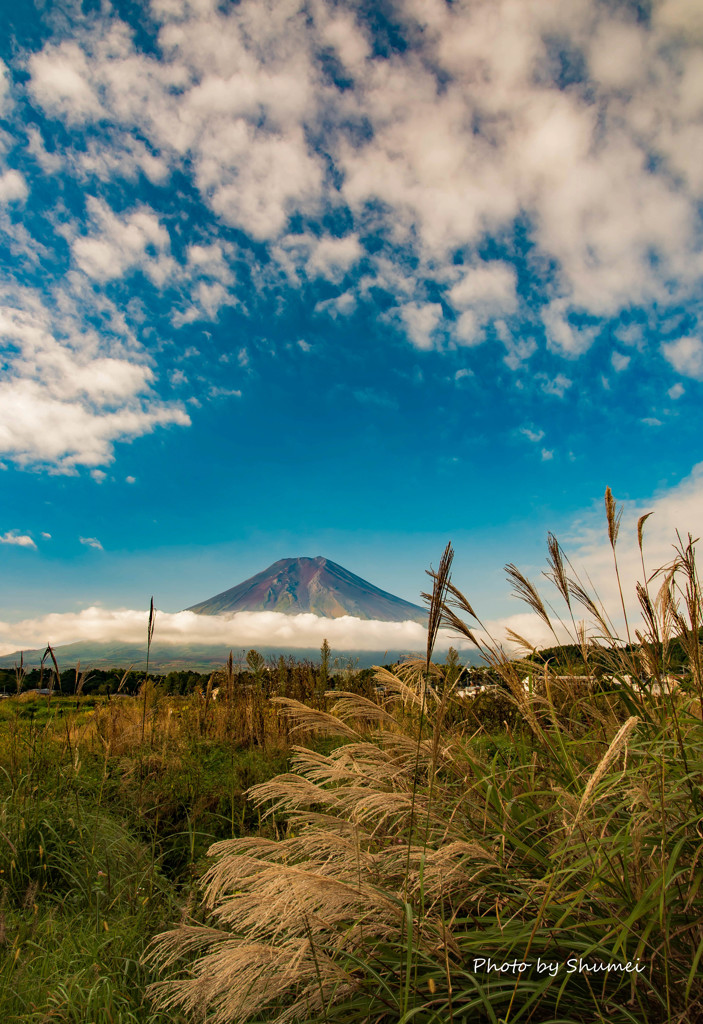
<point>21,540</point>
<point>532,434</point>
<point>69,393</point>
<point>619,361</point>
<point>557,386</point>
<point>5,95</point>
<point>46,536</point>
<point>675,391</point>
<point>120,244</point>
<point>13,187</point>
<point>488,289</point>
<point>91,542</point>
<point>421,322</point>
<point>60,83</point>
<point>447,156</point>
<point>686,356</point>
<point>130,480</point>
<point>536,152</point>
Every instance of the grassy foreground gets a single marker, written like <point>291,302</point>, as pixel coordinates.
<point>533,853</point>
<point>108,806</point>
<point>102,836</point>
<point>432,870</point>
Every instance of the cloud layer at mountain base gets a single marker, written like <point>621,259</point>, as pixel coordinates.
<point>243,629</point>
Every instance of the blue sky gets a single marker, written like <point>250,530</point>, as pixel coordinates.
<point>340,278</point>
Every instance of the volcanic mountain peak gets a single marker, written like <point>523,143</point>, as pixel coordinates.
<point>317,585</point>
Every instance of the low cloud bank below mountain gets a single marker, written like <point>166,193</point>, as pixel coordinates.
<point>243,629</point>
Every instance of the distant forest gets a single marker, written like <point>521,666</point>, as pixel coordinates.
<point>287,675</point>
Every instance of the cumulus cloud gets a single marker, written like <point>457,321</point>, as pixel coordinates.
<point>620,361</point>
<point>120,244</point>
<point>686,356</point>
<point>61,83</point>
<point>577,123</point>
<point>69,394</point>
<point>21,540</point>
<point>13,187</point>
<point>421,321</point>
<point>488,288</point>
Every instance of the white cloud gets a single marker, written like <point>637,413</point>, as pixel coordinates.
<point>467,329</point>
<point>243,629</point>
<point>619,361</point>
<point>46,536</point>
<point>21,540</point>
<point>531,434</point>
<point>488,288</point>
<point>98,475</point>
<point>562,336</point>
<point>433,149</point>
<point>210,261</point>
<point>421,322</point>
<point>50,163</point>
<point>69,394</point>
<point>332,257</point>
<point>118,245</point>
<point>547,455</point>
<point>675,391</point>
<point>5,97</point>
<point>124,158</point>
<point>676,508</point>
<point>318,257</point>
<point>91,542</point>
<point>60,83</point>
<point>130,480</point>
<point>557,386</point>
<point>686,356</point>
<point>13,187</point>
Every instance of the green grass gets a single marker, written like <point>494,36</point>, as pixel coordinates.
<point>101,841</point>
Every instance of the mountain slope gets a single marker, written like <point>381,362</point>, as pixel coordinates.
<point>317,585</point>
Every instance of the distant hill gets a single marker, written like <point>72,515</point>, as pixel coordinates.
<point>317,585</point>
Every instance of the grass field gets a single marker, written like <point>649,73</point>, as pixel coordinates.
<point>379,851</point>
